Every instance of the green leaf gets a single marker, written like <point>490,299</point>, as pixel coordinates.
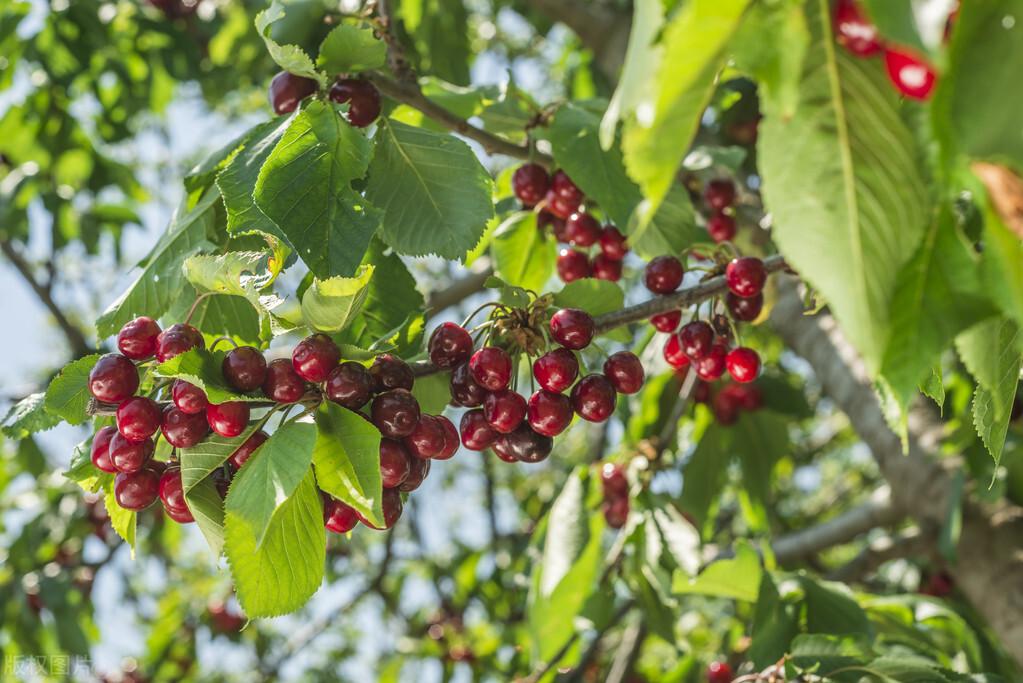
<point>933,386</point>
<point>594,296</point>
<point>830,608</point>
<point>737,578</point>
<point>269,478</point>
<point>289,57</point>
<point>775,63</point>
<point>68,394</point>
<point>203,369</point>
<point>351,48</point>
<point>304,187</point>
<point>280,574</point>
<point>523,255</point>
<point>28,416</point>
<point>774,625</point>
<point>207,508</point>
<point>81,470</point>
<point>567,533</point>
<point>237,273</point>
<point>895,21</point>
<point>824,653</point>
<point>991,352</point>
<point>123,521</point>
<point>867,211</point>
<point>347,460</point>
<point>705,473</point>
<point>1002,264</point>
<point>433,392</point>
<point>201,460</point>
<point>161,279</point>
<point>759,439</point>
<point>435,194</point>
<point>331,305</point>
<point>237,182</point>
<point>672,228</point>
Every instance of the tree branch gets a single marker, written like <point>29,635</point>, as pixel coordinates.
<point>908,544</point>
<point>459,290</point>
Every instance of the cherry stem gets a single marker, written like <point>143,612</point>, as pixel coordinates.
<point>223,338</point>
<point>480,309</point>
<point>195,305</point>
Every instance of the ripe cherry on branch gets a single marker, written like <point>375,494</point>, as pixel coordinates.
<point>287,90</point>
<point>362,97</point>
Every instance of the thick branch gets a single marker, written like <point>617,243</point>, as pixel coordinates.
<point>458,291</point>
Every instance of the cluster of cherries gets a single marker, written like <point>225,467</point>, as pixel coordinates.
<point>719,196</point>
<point>616,495</point>
<point>561,210</point>
<point>287,90</point>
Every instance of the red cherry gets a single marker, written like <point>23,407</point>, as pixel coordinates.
<point>137,339</point>
<point>696,339</point>
<point>612,243</point>
<point>465,390</point>
<point>138,418</point>
<point>137,490</point>
<point>561,207</point>
<point>505,410</point>
<point>563,186</point>
<point>427,438</point>
<point>337,516</point>
<point>183,430</point>
<point>573,328</point>
<point>607,269</point>
<point>701,392</point>
<point>616,512</point>
<point>179,515</point>
<point>499,447</point>
<point>395,413</point>
<point>572,265</point>
<point>282,383</point>
<point>625,372</point>
<point>721,227</point>
<point>666,322</point>
<point>491,367</point>
<point>726,407</point>
<point>228,419</point>
<point>394,463</point>
<point>546,220</point>
<point>129,456</point>
<point>449,345</point>
<point>711,366</point>
<point>746,276</point>
<point>418,469</point>
<point>172,494</point>
<point>719,193</point>
<point>530,183</point>
<point>853,30</point>
<point>674,354</point>
<point>314,357</point>
<point>748,395</point>
<point>101,449</point>
<point>349,385</point>
<point>362,97</point>
<point>451,441</point>
<point>248,447</point>
<point>524,445</point>
<point>663,275</point>
<point>615,483</point>
<point>743,364</point>
<point>719,672</point>
<point>177,339</point>
<point>392,505</point>
<point>244,368</point>
<point>912,76</point>
<point>556,370</point>
<point>287,90</point>
<point>745,310</point>
<point>113,378</point>
<point>594,398</point>
<point>476,432</point>
<point>188,398</point>
<point>549,413</point>
<point>582,229</point>
<point>390,372</point>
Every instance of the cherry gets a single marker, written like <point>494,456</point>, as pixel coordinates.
<point>556,370</point>
<point>616,512</point>
<point>500,450</point>
<point>726,407</point>
<point>563,186</point>
<point>573,328</point>
<point>244,368</point>
<point>418,469</point>
<point>616,485</point>
<point>181,516</point>
<point>362,97</point>
<point>748,395</point>
<point>719,672</point>
<point>188,398</point>
<point>701,392</point>
<point>663,275</point>
<point>545,219</point>
<point>129,456</point>
<point>624,371</point>
<point>505,410</point>
<point>560,206</point>
<point>674,354</point>
<point>449,345</point>
<point>696,339</point>
<point>113,378</point>
<point>912,76</point>
<point>582,229</point>
<point>349,385</point>
<point>101,449</point>
<point>853,31</point>
<point>549,413</point>
<point>395,413</point>
<point>721,227</point>
<point>666,322</point>
<point>476,432</point>
<point>525,445</point>
<point>594,398</point>
<point>530,183</point>
<point>172,494</point>
<point>177,339</point>
<point>282,383</point>
<point>745,309</point>
<point>719,193</point>
<point>491,367</point>
<point>314,357</point>
<point>711,366</point>
<point>228,419</point>
<point>612,243</point>
<point>394,463</point>
<point>572,265</point>
<point>746,276</point>
<point>137,490</point>
<point>138,418</point>
<point>248,447</point>
<point>391,372</point>
<point>337,516</point>
<point>287,90</point>
<point>743,364</point>
<point>465,390</point>
<point>427,438</point>
<point>607,269</point>
<point>451,442</point>
<point>222,478</point>
<point>137,339</point>
<point>391,504</point>
<point>183,430</point>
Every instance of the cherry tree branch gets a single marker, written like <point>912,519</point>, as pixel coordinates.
<point>459,290</point>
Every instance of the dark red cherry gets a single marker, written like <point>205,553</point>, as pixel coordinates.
<point>314,357</point>
<point>701,392</point>
<point>743,364</point>
<point>505,410</point>
<point>719,193</point>
<point>696,337</point>
<point>556,370</point>
<point>282,383</point>
<point>854,32</point>
<point>546,220</point>
<point>663,275</point>
<point>607,269</point>
<point>465,390</point>
<point>248,447</point>
<point>392,505</point>
<point>711,366</point>
<point>427,438</point>
<point>525,445</point>
<point>183,430</point>
<point>500,450</point>
<point>172,494</point>
<point>137,490</point>
<point>549,413</point>
<point>721,227</point>
<point>745,309</point>
<point>726,406</point>
<point>449,345</point>
<point>395,413</point>
<point>390,372</point>
<point>748,395</point>
<point>562,207</point>
<point>674,354</point>
<point>563,186</point>
<point>349,385</point>
<point>612,243</point>
<point>451,440</point>
<point>476,432</point>
<point>593,398</point>
<point>337,516</point>
<point>228,419</point>
<point>573,328</point>
<point>287,90</point>
<point>188,398</point>
<point>572,265</point>
<point>666,322</point>
<point>177,339</point>
<point>719,672</point>
<point>582,229</point>
<point>615,483</point>
<point>362,97</point>
<point>418,469</point>
<point>530,183</point>
<point>491,367</point>
<point>394,463</point>
<point>244,368</point>
<point>912,76</point>
<point>113,378</point>
<point>625,372</point>
<point>129,456</point>
<point>746,276</point>
<point>138,418</point>
<point>101,449</point>
<point>616,512</point>
<point>137,339</point>
<point>179,515</point>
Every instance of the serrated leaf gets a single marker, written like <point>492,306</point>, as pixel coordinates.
<point>201,460</point>
<point>991,353</point>
<point>737,578</point>
<point>831,608</point>
<point>350,48</point>
<point>671,230</point>
<point>68,394</point>
<point>203,369</point>
<point>237,182</point>
<point>291,58</point>
<point>435,194</point>
<point>28,416</point>
<point>347,460</point>
<point>82,471</point>
<point>238,273</point>
<point>523,255</point>
<point>826,653</point>
<point>207,509</point>
<point>331,305</point>
<point>123,521</point>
